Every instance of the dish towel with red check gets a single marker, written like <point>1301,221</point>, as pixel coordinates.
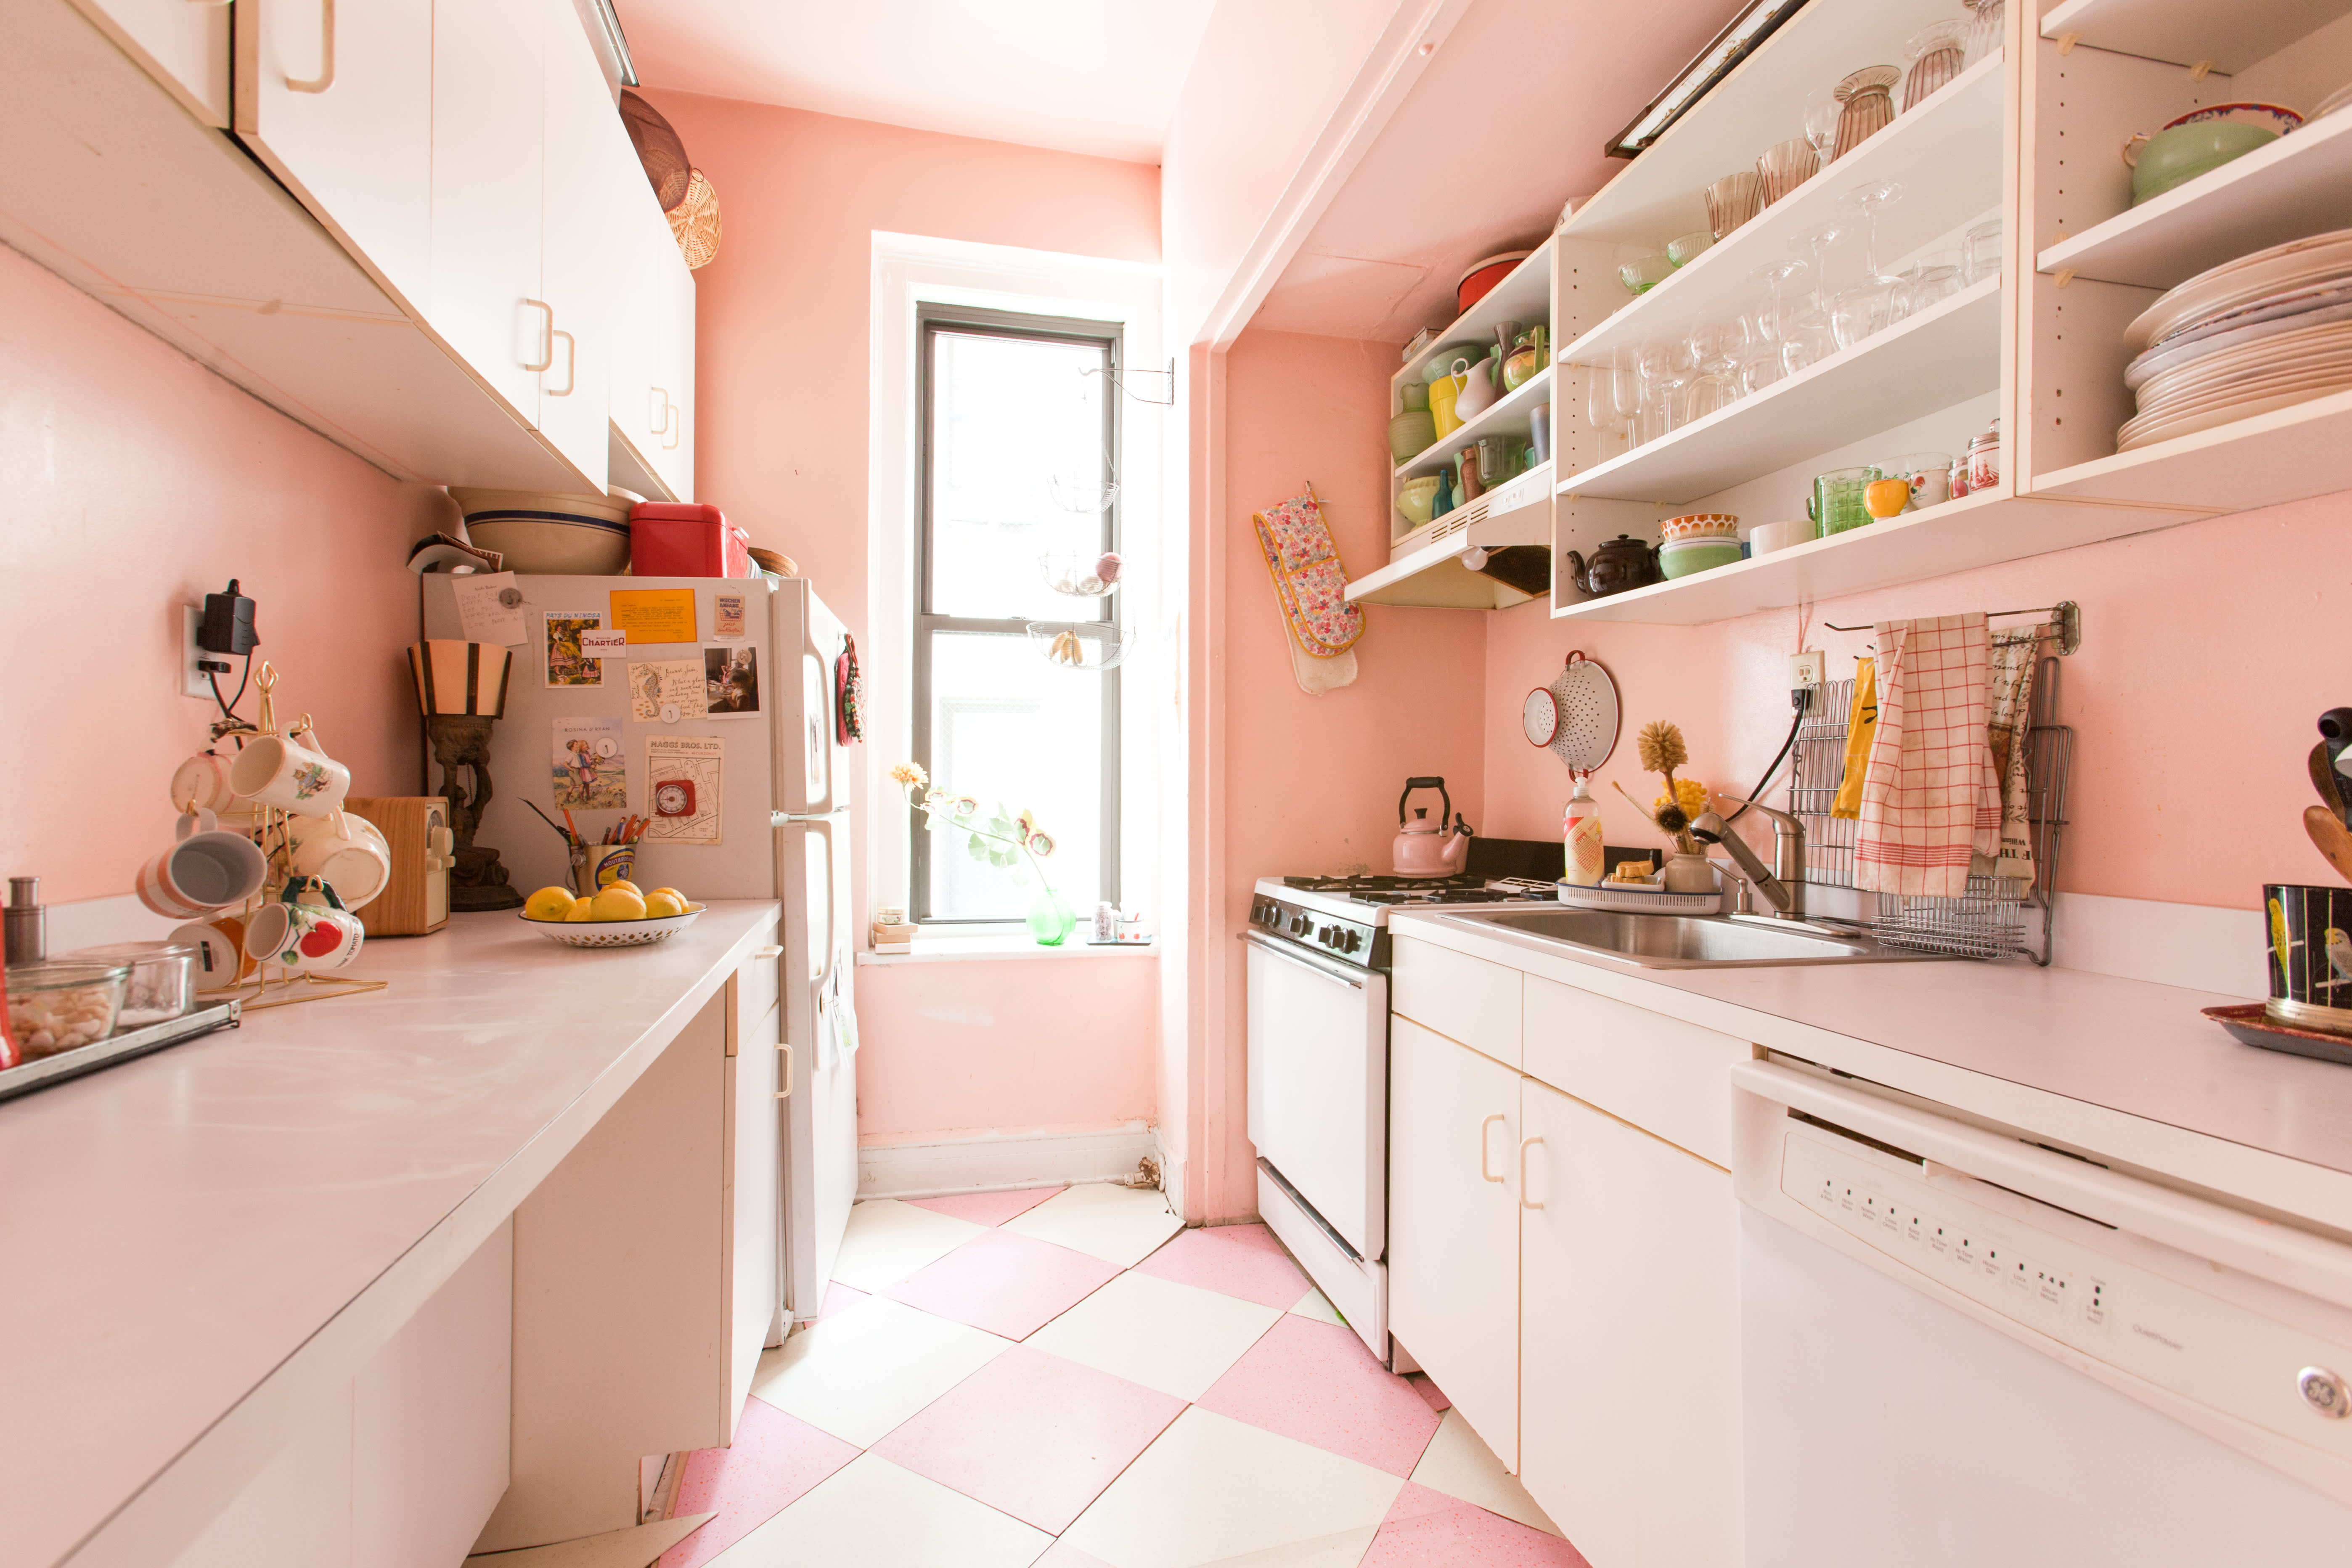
<point>1930,800</point>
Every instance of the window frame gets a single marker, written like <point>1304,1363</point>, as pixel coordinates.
<point>931,320</point>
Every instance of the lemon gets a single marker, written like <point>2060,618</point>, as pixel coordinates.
<point>669,893</point>
<point>547,904</point>
<point>582,911</point>
<point>625,885</point>
<point>661,906</point>
<point>618,904</point>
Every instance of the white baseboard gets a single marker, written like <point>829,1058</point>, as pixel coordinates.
<point>2193,945</point>
<point>1000,1164</point>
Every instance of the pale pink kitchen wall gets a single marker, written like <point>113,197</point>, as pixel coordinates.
<point>132,481</point>
<point>1310,784</point>
<point>782,338</point>
<point>2209,650</point>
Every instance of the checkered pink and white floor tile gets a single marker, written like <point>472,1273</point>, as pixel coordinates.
<point>1063,1378</point>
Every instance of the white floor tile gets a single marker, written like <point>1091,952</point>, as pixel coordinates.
<point>1217,1491</point>
<point>887,1240</point>
<point>1178,1339</point>
<point>859,1375</point>
<point>1457,1464</point>
<point>1318,1306</point>
<point>873,1514</point>
<point>1118,1225</point>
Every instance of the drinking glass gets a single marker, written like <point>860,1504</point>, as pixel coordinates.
<point>1858,311</point>
<point>1933,57</point>
<point>1821,240</point>
<point>1607,384</point>
<point>1806,338</point>
<point>1837,502</point>
<point>1625,393</point>
<point>1984,31</point>
<point>1642,268</point>
<point>1867,107</point>
<point>1870,199</point>
<point>1785,166</point>
<point>1733,200</point>
<point>1980,250</point>
<point>1686,249</point>
<point>1715,349</point>
<point>1935,276</point>
<point>1823,109</point>
<point>1666,370</point>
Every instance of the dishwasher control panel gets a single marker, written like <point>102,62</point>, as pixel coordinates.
<point>2222,1354</point>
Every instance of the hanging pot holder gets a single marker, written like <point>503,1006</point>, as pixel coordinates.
<point>1308,577</point>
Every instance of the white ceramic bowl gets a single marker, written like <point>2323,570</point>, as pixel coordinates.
<point>1768,537</point>
<point>545,534</point>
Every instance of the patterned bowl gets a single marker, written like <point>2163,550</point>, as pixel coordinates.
<point>1698,525</point>
<point>613,933</point>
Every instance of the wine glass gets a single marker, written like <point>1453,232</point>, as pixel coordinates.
<point>1823,108</point>
<point>1715,347</point>
<point>1870,199</point>
<point>1821,240</point>
<point>1807,338</point>
<point>1611,423</point>
<point>1667,365</point>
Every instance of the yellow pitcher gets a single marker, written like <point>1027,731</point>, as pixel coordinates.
<point>1442,394</point>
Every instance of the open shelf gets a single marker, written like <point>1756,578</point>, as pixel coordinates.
<point>1956,536</point>
<point>2299,185</point>
<point>1944,355</point>
<point>2186,32</point>
<point>1761,101</point>
<point>1425,568</point>
<point>2302,450</point>
<point>1524,296</point>
<point>1507,412</point>
<point>1923,152</point>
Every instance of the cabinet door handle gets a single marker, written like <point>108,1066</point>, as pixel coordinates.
<point>1524,1146</point>
<point>571,360</point>
<point>670,425</point>
<point>546,354</point>
<point>655,425</point>
<point>1483,1141</point>
<point>785,1070</point>
<point>770,952</point>
<point>326,77</point>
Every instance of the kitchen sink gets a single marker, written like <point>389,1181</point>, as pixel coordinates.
<point>1683,942</point>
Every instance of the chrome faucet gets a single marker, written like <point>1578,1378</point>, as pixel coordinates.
<point>1782,887</point>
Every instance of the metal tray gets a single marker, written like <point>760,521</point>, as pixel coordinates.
<point>116,1048</point>
<point>2253,1026</point>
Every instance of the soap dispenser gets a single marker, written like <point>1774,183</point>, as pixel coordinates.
<point>1585,859</point>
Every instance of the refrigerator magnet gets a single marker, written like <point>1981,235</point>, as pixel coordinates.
<point>727,617</point>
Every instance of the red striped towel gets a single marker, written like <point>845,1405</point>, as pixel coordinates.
<point>1925,800</point>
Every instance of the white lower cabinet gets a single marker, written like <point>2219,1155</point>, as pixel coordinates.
<point>1629,1340</point>
<point>1569,1279</point>
<point>1454,1225</point>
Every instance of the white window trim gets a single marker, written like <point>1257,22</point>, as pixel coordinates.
<point>910,270</point>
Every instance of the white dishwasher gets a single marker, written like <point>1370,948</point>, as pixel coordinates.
<point>1959,1347</point>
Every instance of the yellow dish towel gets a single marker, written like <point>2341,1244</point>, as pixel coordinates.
<point>1861,727</point>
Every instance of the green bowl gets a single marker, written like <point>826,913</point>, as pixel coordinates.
<point>2178,155</point>
<point>1696,555</point>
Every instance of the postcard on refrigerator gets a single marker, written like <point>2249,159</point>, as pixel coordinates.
<point>590,770</point>
<point>566,665</point>
<point>731,681</point>
<point>683,774</point>
<point>489,608</point>
<point>728,615</point>
<point>667,689</point>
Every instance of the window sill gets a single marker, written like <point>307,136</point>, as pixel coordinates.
<point>996,947</point>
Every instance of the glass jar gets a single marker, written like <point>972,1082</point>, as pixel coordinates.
<point>1983,460</point>
<point>60,1004</point>
<point>162,982</point>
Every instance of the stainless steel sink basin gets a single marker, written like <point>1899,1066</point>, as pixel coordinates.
<point>1681,941</point>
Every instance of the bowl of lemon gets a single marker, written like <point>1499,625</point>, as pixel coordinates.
<point>618,914</point>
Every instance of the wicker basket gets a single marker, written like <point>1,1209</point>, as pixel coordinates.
<point>695,221</point>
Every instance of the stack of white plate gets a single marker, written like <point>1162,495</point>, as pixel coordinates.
<point>2253,334</point>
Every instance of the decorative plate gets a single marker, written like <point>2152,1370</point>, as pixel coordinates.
<point>613,933</point>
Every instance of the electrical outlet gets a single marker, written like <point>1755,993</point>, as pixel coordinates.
<point>1805,670</point>
<point>193,682</point>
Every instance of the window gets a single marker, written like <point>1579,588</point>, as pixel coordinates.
<point>1017,436</point>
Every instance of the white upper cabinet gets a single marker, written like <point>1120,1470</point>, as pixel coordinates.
<point>489,146</point>
<point>337,101</point>
<point>653,399</point>
<point>183,44</point>
<point>589,163</point>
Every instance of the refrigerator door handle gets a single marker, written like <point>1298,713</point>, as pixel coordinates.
<point>787,818</point>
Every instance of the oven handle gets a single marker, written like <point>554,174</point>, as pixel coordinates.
<point>1323,967</point>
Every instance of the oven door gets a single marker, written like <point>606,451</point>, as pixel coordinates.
<point>1318,1081</point>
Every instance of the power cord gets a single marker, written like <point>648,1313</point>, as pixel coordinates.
<point>1800,699</point>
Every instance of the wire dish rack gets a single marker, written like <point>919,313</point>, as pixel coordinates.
<point>1994,917</point>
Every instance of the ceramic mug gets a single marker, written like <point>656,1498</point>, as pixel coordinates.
<point>207,870</point>
<point>1766,537</point>
<point>349,853</point>
<point>278,771</point>
<point>201,784</point>
<point>221,958</point>
<point>304,936</point>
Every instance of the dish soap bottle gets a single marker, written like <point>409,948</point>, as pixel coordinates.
<point>1583,829</point>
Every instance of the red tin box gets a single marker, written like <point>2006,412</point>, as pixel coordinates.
<point>669,539</point>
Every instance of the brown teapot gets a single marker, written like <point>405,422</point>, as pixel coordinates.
<point>1623,563</point>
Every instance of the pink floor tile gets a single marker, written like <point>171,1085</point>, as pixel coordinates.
<point>838,1299</point>
<point>1033,1436</point>
<point>1427,1389</point>
<point>1061,1554</point>
<point>1427,1528</point>
<point>775,1459</point>
<point>986,1208</point>
<point>1316,1382</point>
<point>1005,1282</point>
<point>1242,1261</point>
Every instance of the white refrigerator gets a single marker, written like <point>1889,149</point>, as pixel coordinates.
<point>753,665</point>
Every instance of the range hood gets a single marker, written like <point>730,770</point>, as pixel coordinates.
<point>1507,533</point>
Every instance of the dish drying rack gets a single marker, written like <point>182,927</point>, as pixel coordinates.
<point>1991,919</point>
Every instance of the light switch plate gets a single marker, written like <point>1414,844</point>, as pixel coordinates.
<point>191,679</point>
<point>1805,670</point>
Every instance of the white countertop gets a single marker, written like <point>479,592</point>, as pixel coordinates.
<point>175,1230</point>
<point>2123,1068</point>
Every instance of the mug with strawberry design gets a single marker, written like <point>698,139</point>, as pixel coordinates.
<point>304,936</point>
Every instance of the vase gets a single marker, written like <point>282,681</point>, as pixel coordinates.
<point>1689,874</point>
<point>1051,922</point>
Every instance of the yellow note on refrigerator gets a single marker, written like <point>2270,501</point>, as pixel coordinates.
<point>654,614</point>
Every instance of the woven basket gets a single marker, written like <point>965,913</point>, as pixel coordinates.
<point>695,221</point>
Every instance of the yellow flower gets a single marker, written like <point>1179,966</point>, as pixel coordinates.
<point>909,774</point>
<point>1689,794</point>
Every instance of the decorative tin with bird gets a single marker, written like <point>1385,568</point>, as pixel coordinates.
<point>2310,956</point>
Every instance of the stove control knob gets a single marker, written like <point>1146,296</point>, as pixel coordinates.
<point>1326,936</point>
<point>1297,924</point>
<point>1355,940</point>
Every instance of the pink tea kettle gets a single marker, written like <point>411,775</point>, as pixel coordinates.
<point>1425,848</point>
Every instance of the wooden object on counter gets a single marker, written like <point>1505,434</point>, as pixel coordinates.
<point>416,900</point>
<point>2331,838</point>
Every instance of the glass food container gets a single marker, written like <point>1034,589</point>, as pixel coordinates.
<point>163,983</point>
<point>61,1004</point>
